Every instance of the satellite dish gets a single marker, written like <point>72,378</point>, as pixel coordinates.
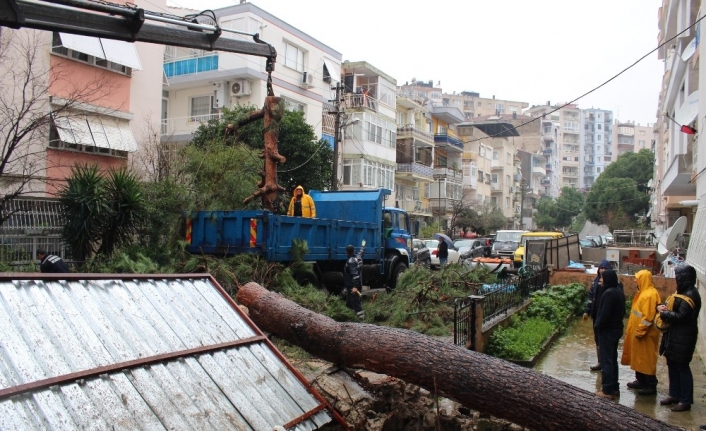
<point>668,240</point>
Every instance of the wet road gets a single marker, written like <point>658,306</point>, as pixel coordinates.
<point>571,356</point>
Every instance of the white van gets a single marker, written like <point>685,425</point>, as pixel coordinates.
<point>506,242</point>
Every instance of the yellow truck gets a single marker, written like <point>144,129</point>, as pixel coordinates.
<point>532,236</point>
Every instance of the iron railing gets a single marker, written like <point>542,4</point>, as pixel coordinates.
<point>471,314</point>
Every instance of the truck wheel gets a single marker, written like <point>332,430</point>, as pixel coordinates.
<point>304,279</point>
<point>396,272</point>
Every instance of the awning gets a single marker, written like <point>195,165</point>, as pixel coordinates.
<point>116,51</point>
<point>96,130</point>
<point>334,69</point>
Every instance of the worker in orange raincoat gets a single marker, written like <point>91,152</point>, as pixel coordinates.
<point>301,205</point>
<point>642,337</point>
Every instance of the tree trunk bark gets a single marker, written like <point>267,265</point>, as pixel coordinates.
<point>477,381</point>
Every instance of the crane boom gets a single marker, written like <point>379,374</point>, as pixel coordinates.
<point>113,21</point>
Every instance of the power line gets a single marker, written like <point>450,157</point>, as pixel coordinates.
<point>598,87</point>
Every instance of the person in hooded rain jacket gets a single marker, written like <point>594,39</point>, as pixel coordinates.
<point>609,327</point>
<point>679,341</point>
<point>642,337</point>
<point>591,308</point>
<point>301,205</point>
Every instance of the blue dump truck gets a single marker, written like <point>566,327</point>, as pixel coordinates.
<point>343,217</point>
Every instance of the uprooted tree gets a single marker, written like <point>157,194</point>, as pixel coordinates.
<point>477,381</point>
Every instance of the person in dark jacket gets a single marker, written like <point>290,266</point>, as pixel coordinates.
<point>353,280</point>
<point>679,341</point>
<point>591,308</point>
<point>51,263</point>
<point>442,251</point>
<point>608,325</point>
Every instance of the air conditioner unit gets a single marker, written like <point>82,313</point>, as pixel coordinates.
<point>307,80</point>
<point>240,88</point>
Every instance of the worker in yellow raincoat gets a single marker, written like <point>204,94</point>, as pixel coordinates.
<point>642,337</point>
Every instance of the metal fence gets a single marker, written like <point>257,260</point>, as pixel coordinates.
<point>472,313</point>
<point>31,224</point>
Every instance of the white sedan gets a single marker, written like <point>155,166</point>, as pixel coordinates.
<point>432,245</point>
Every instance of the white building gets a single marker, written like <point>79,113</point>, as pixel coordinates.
<point>199,84</point>
<point>596,149</point>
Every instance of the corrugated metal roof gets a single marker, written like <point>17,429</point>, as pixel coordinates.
<point>141,353</point>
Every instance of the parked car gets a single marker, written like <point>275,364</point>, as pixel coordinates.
<point>469,248</point>
<point>421,253</point>
<point>432,244</point>
<point>587,243</point>
<point>597,239</point>
<point>487,244</point>
<point>506,242</point>
<point>608,239</point>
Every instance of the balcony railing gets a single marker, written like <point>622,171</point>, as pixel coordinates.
<point>186,125</point>
<point>547,152</point>
<point>496,187</point>
<point>412,131</point>
<point>443,138</point>
<point>416,169</point>
<point>496,164</point>
<point>353,100</point>
<point>538,170</point>
<point>448,173</point>
<point>415,207</point>
<point>191,65</point>
<point>548,167</point>
<point>445,204</point>
<point>570,174</point>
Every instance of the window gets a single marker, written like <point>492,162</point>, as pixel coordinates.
<point>642,133</point>
<point>508,158</point>
<point>641,143</point>
<point>600,126</point>
<point>494,178</point>
<point>57,48</point>
<point>293,105</point>
<point>496,155</point>
<point>507,202</point>
<point>293,57</point>
<point>201,107</point>
<point>599,137</point>
<point>507,180</point>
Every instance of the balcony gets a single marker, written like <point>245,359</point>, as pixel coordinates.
<point>548,138</point>
<point>448,140</point>
<point>496,188</point>
<point>540,171</point>
<point>677,178</point>
<point>414,171</point>
<point>546,181</point>
<point>185,125</point>
<point>548,167</point>
<point>570,174</point>
<point>417,134</point>
<point>360,102</point>
<point>415,207</point>
<point>496,164</point>
<point>446,205</point>
<point>547,152</point>
<point>448,173</point>
<point>190,65</point>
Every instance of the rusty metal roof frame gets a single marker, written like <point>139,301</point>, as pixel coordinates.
<point>77,377</point>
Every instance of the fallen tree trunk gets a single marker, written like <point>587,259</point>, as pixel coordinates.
<point>477,381</point>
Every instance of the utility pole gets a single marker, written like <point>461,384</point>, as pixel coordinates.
<point>336,136</point>
<point>522,204</point>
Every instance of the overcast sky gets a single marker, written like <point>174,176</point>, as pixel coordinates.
<point>521,50</point>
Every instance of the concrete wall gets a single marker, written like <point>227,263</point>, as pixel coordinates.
<point>665,286</point>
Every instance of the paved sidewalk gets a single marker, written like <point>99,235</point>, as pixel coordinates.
<point>573,353</point>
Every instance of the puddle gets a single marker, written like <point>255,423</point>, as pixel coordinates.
<point>573,353</point>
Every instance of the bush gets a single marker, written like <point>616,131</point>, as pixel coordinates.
<point>530,329</point>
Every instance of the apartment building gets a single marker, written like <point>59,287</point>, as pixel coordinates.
<point>558,129</point>
<point>596,150</point>
<point>677,163</point>
<point>446,192</point>
<point>415,160</point>
<point>369,148</point>
<point>473,105</point>
<point>530,189</point>
<point>200,84</point>
<point>493,141</point>
<point>629,137</point>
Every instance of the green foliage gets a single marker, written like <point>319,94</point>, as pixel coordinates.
<point>166,199</point>
<point>545,213</point>
<point>530,329</point>
<point>621,191</point>
<point>520,341</point>
<point>309,160</point>
<point>123,196</point>
<point>124,262</point>
<point>83,208</point>
<point>568,205</point>
<point>99,210</point>
<point>578,223</point>
<point>423,299</point>
<point>220,176</point>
